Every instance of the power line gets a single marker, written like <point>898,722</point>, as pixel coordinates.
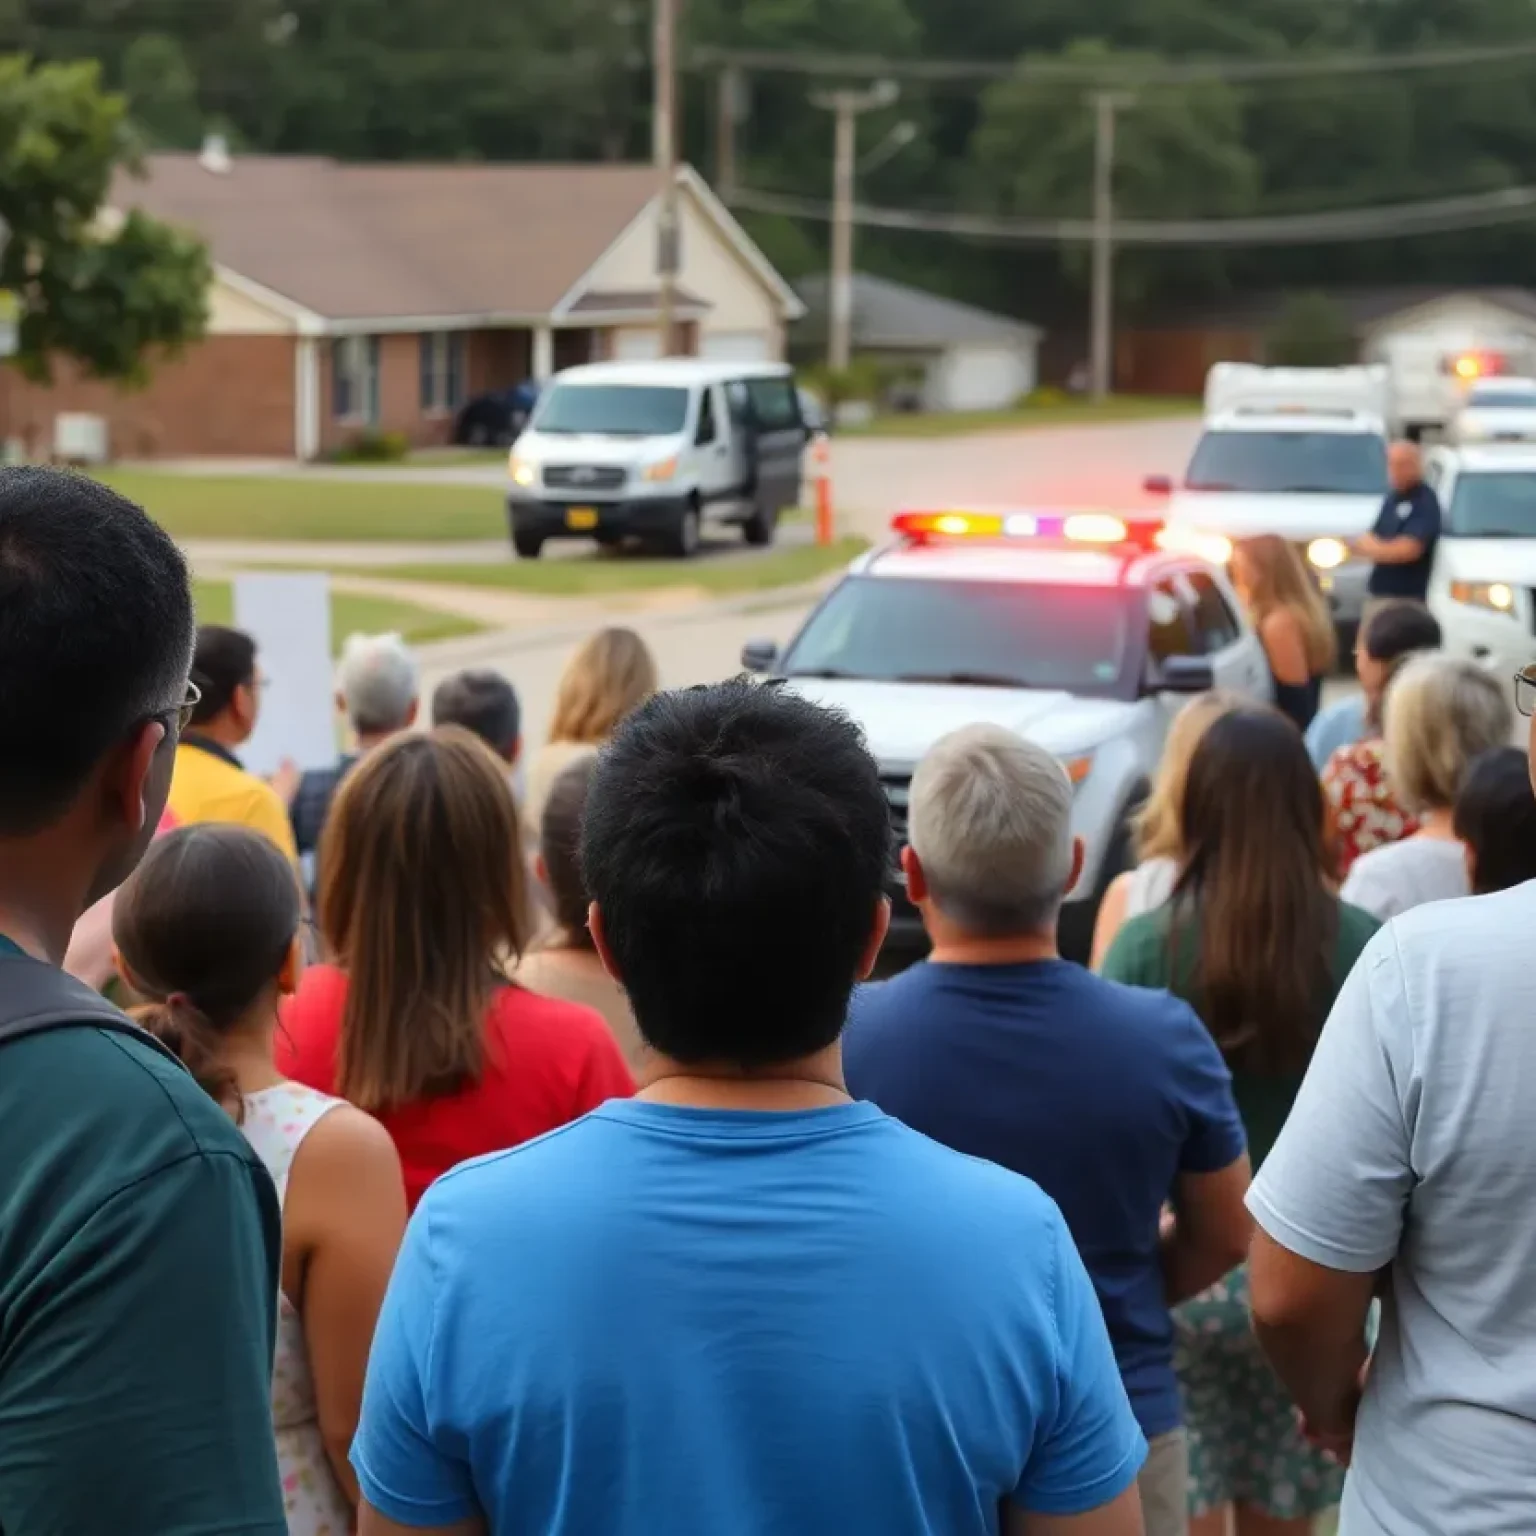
<point>1441,215</point>
<point>1107,73</point>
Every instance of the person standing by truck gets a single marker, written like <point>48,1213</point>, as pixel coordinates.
<point>1401,544</point>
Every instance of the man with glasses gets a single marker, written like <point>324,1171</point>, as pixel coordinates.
<point>139,1235</point>
<point>1404,1169</point>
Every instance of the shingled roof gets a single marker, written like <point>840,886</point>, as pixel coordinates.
<point>358,242</point>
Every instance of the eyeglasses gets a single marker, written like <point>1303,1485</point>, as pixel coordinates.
<point>1525,690</point>
<point>182,713</point>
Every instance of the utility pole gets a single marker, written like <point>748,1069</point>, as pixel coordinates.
<point>846,108</point>
<point>728,109</point>
<point>1105,104</point>
<point>664,147</point>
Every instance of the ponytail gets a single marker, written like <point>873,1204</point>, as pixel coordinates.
<point>180,1025</point>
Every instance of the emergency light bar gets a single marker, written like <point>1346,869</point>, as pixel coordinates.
<point>1099,528</point>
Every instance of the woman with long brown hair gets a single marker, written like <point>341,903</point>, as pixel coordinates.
<point>422,909</point>
<point>1255,939</point>
<point>1292,620</point>
<point>207,930</point>
<point>611,674</point>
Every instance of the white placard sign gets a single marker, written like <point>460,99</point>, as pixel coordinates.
<point>289,618</point>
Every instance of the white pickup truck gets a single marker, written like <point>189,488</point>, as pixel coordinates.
<point>1299,452</point>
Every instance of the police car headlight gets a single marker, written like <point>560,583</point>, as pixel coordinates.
<point>1495,595</point>
<point>1327,554</point>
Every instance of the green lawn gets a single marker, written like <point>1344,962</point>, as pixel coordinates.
<point>292,507</point>
<point>620,572</point>
<point>1068,413</point>
<point>351,614</point>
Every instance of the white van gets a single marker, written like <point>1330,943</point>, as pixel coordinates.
<point>655,450</point>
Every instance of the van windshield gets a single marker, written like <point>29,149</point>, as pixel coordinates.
<point>613,410</point>
<point>1290,463</point>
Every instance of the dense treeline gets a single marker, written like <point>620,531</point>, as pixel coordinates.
<point>567,78</point>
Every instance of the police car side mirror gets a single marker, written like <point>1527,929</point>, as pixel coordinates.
<point>759,655</point>
<point>1184,674</point>
<point>1158,485</point>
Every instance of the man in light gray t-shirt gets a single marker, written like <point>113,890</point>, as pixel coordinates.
<point>1411,1149</point>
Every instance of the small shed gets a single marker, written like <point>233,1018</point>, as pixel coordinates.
<point>968,358</point>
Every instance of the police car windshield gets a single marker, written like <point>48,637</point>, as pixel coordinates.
<point>969,633</point>
<point>613,410</point>
<point>1492,399</point>
<point>1278,463</point>
<point>1494,506</point>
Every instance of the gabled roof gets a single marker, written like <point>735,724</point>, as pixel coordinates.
<point>363,242</point>
<point>1363,308</point>
<point>890,314</point>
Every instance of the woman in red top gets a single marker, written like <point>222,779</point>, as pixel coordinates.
<point>422,903</point>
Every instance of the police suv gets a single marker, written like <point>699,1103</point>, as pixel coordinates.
<point>1482,587</point>
<point>1079,631</point>
<point>1299,452</point>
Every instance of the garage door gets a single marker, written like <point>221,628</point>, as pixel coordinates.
<point>983,378</point>
<point>735,347</point>
<point>637,345</point>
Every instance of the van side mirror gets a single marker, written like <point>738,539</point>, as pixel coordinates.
<point>1158,485</point>
<point>759,655</point>
<point>1184,674</point>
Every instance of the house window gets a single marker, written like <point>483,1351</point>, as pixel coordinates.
<point>355,379</point>
<point>442,371</point>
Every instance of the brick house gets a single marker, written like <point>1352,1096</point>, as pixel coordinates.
<point>357,298</point>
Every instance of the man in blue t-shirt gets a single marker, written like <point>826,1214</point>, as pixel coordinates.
<point>1116,1101</point>
<point>1402,542</point>
<point>741,1304</point>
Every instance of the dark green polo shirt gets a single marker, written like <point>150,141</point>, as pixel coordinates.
<point>140,1242</point>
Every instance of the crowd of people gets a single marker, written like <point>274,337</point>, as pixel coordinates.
<point>505,1146</point>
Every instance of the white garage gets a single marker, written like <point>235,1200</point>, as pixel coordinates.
<point>964,358</point>
<point>736,346</point>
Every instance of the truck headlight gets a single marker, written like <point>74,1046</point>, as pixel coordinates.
<point>662,471</point>
<point>1485,594</point>
<point>1327,554</point>
<point>523,473</point>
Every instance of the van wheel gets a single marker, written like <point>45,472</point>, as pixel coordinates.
<point>759,529</point>
<point>529,546</point>
<point>683,541</point>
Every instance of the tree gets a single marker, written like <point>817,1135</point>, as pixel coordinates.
<point>110,298</point>
<point>162,92</point>
<point>1312,332</point>
<point>1179,154</point>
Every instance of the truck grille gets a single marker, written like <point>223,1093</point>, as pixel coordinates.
<point>898,788</point>
<point>583,477</point>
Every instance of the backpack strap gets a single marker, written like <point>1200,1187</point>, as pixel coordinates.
<point>36,998</point>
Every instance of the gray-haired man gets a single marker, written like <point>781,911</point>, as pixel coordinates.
<point>1114,1100</point>
<point>378,689</point>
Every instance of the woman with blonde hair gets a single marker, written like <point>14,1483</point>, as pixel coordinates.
<point>611,674</point>
<point>1441,713</point>
<point>1157,839</point>
<point>422,909</point>
<point>1292,620</point>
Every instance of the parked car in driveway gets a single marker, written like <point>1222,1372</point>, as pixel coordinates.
<point>496,419</point>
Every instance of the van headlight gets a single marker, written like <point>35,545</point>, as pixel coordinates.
<point>1485,594</point>
<point>1327,554</point>
<point>665,470</point>
<point>523,473</point>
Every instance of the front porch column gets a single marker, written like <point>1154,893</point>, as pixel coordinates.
<point>543,353</point>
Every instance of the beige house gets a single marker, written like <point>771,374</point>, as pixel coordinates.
<point>356,298</point>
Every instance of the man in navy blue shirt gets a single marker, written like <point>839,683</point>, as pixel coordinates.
<point>1115,1100</point>
<point>1402,543</point>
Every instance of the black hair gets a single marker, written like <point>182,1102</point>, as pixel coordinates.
<point>737,841</point>
<point>483,703</point>
<point>95,635</point>
<point>560,848</point>
<point>204,925</point>
<point>223,662</point>
<point>1399,629</point>
<point>1496,818</point>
